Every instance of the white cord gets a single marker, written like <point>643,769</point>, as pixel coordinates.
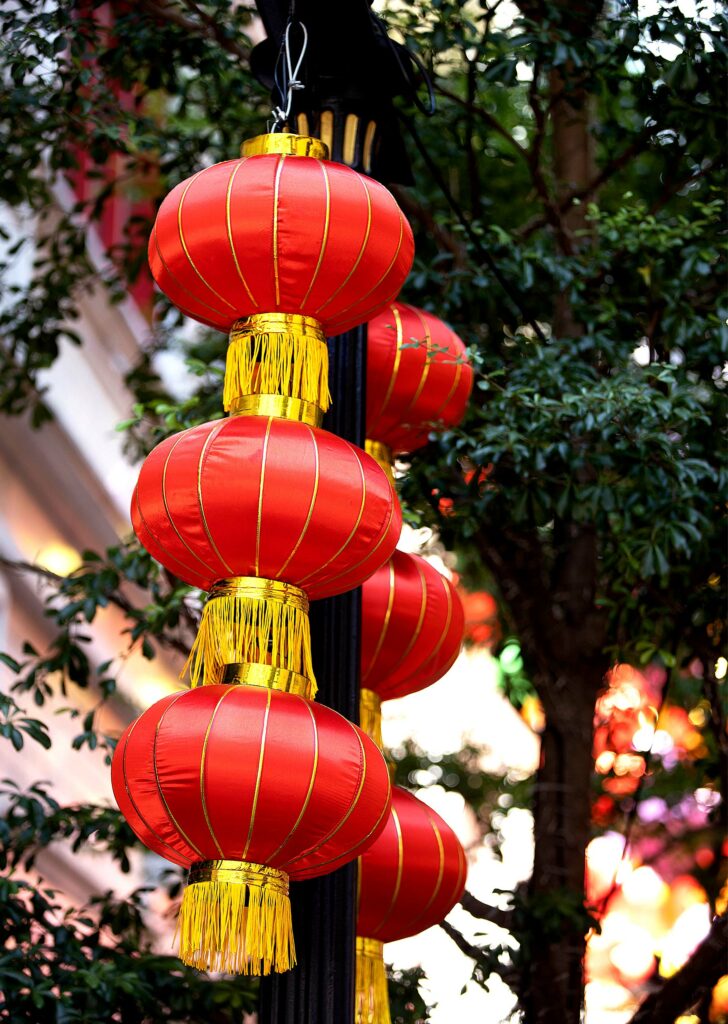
<point>281,114</point>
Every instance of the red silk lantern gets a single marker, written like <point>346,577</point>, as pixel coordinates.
<point>418,378</point>
<point>280,247</point>
<point>255,507</point>
<point>412,631</point>
<point>409,879</point>
<point>247,787</point>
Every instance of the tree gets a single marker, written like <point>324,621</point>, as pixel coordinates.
<point>568,205</point>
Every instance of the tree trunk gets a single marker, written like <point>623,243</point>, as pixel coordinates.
<point>562,827</point>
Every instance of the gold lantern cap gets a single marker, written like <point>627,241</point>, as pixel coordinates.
<point>286,143</point>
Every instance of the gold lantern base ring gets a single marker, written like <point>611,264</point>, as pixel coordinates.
<point>370,715</point>
<point>382,454</point>
<point>279,406</point>
<point>372,996</point>
<point>248,620</point>
<point>236,917</point>
<point>269,677</point>
<point>277,354</point>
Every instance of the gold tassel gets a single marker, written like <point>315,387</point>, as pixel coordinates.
<point>382,454</point>
<point>370,715</point>
<point>236,917</point>
<point>372,995</point>
<point>277,354</point>
<point>252,620</point>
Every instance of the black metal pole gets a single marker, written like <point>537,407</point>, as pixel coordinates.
<point>320,990</point>
<point>351,72</point>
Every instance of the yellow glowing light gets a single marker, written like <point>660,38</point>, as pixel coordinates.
<point>698,716</point>
<point>719,1003</point>
<point>721,904</point>
<point>645,888</point>
<point>532,714</point>
<point>629,764</point>
<point>688,1018</point>
<point>149,691</point>
<point>604,762</point>
<point>687,932</point>
<point>721,667</point>
<point>59,558</point>
<point>633,957</point>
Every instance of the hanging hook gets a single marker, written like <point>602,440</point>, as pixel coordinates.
<point>291,79</point>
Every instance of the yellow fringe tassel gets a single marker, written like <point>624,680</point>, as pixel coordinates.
<point>292,361</point>
<point>370,715</point>
<point>251,620</point>
<point>372,995</point>
<point>236,919</point>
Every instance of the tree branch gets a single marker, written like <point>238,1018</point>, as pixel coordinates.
<point>117,599</point>
<point>484,912</point>
<point>475,241</point>
<point>204,25</point>
<point>585,193</point>
<point>686,988</point>
<point>445,239</point>
<point>485,116</point>
<point>461,942</point>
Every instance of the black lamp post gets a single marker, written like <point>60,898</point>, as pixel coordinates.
<point>350,72</point>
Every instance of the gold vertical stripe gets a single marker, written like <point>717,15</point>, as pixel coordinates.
<point>448,620</point>
<point>373,551</point>
<point>156,539</point>
<point>385,625</point>
<point>342,856</point>
<point>451,392</point>
<point>167,509</point>
<point>177,281</point>
<point>303,124</point>
<point>260,494</point>
<point>399,339</point>
<point>191,262</point>
<point>381,280</point>
<point>400,868</point>
<point>352,807</point>
<point>441,866</point>
<point>312,503</point>
<point>368,146</point>
<point>420,619</point>
<point>276,187</point>
<point>325,238</point>
<point>228,221</point>
<point>369,313</point>
<point>349,149</point>
<point>203,799</point>
<point>426,368</point>
<point>133,801</point>
<point>362,250</point>
<point>210,437</point>
<point>326,130</point>
<point>171,817</point>
<point>346,543</point>
<point>462,870</point>
<point>260,774</point>
<point>311,782</point>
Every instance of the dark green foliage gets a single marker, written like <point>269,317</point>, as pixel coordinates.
<point>406,1005</point>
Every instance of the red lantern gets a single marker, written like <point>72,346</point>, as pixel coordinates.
<point>255,507</point>
<point>412,631</point>
<point>418,377</point>
<point>247,787</point>
<point>409,879</point>
<point>280,247</point>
